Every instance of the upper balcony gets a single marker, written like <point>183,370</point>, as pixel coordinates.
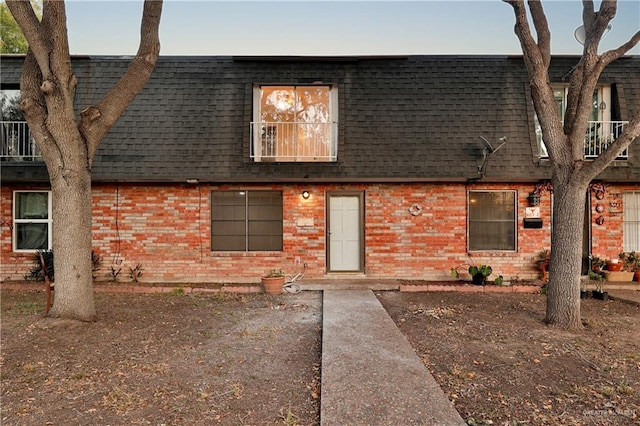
<point>17,143</point>
<point>600,134</point>
<point>294,141</point>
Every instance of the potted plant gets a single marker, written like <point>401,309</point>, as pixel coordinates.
<point>599,294</point>
<point>597,263</point>
<point>614,265</point>
<point>631,263</point>
<point>273,281</point>
<point>596,276</point>
<point>620,269</point>
<point>584,293</point>
<point>480,273</point>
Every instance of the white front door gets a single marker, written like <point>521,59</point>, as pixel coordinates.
<point>344,233</point>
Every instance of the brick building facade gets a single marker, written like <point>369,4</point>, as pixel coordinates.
<point>406,174</point>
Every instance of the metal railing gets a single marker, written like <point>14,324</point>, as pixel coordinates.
<point>294,141</point>
<point>600,134</point>
<point>17,143</point>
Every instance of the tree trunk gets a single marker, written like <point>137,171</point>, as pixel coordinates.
<point>73,297</point>
<point>563,288</point>
<point>68,146</point>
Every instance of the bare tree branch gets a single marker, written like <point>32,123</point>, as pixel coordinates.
<point>56,26</point>
<point>537,59</point>
<point>523,31</point>
<point>33,105</point>
<point>591,65</point>
<point>542,30</point>
<point>97,120</point>
<point>26,17</point>
<point>613,54</point>
<point>587,11</point>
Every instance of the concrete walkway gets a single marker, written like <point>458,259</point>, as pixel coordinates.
<point>370,373</point>
<point>627,296</point>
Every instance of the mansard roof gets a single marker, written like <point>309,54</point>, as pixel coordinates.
<point>400,119</point>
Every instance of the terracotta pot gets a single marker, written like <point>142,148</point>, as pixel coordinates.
<point>273,285</point>
<point>613,267</point>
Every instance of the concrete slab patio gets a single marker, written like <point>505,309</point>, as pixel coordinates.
<point>370,373</point>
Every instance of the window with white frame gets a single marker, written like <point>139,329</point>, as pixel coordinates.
<point>246,221</point>
<point>492,220</point>
<point>294,123</point>
<point>32,220</point>
<point>631,218</point>
<point>602,128</point>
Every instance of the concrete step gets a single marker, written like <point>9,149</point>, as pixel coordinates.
<point>370,373</point>
<point>349,284</point>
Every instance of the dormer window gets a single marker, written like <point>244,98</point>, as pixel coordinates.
<point>294,124</point>
<point>604,125</point>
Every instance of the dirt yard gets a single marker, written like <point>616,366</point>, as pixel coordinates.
<point>176,359</point>
<point>170,359</point>
<point>500,365</point>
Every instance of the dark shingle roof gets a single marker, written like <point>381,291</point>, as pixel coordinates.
<point>400,119</point>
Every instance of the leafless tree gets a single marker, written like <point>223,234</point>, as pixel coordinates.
<point>565,142</point>
<point>68,144</point>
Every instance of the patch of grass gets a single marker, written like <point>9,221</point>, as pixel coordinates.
<point>24,308</point>
<point>459,372</point>
<point>226,296</point>
<point>289,418</point>
<point>178,291</point>
<point>155,367</point>
<point>237,390</point>
<point>79,375</point>
<point>608,391</point>
<point>121,401</point>
<point>29,368</point>
<point>624,388</point>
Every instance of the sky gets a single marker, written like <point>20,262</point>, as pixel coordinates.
<point>328,28</point>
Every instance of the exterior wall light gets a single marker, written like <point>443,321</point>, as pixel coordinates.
<point>305,195</point>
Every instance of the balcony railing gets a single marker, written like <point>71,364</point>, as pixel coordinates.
<point>600,134</point>
<point>17,143</point>
<point>294,141</point>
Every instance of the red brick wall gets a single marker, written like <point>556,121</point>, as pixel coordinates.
<point>166,228</point>
<point>606,239</point>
